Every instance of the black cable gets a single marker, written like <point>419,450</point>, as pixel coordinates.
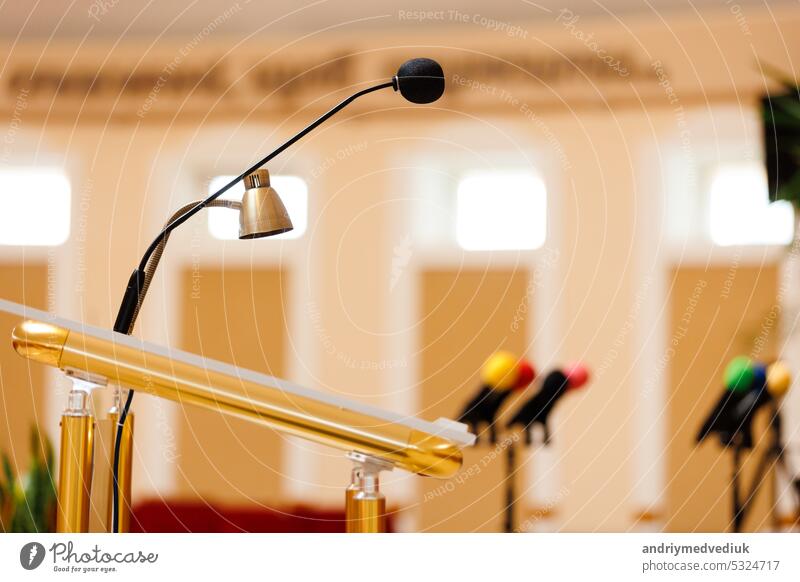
<point>120,427</point>
<point>738,514</point>
<point>126,316</point>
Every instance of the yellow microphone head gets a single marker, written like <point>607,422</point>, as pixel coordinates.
<point>778,379</point>
<point>500,371</point>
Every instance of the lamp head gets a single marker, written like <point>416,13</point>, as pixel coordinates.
<point>263,213</point>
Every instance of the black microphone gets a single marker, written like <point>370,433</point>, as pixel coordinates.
<point>420,80</point>
<point>769,385</point>
<point>744,383</point>
<point>745,410</point>
<point>538,408</point>
<point>502,375</point>
<point>721,419</point>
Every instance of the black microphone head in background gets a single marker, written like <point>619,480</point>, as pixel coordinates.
<point>420,80</point>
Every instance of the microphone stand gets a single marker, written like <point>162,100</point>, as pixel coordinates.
<point>139,281</point>
<point>511,495</point>
<point>772,458</point>
<point>738,510</point>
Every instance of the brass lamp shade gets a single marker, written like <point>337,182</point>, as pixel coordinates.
<point>263,212</point>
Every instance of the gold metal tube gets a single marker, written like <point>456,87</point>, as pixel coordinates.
<point>75,473</point>
<point>125,461</point>
<point>369,513</point>
<point>349,501</point>
<point>182,381</point>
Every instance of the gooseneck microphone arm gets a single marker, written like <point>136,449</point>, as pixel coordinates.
<point>277,151</point>
<point>131,301</point>
<point>137,285</point>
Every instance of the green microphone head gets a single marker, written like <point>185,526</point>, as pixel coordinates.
<point>739,374</point>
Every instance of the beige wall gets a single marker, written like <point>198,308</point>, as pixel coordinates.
<point>233,315</point>
<point>21,389</point>
<point>347,327</point>
<point>466,315</point>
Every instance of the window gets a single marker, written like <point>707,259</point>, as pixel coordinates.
<point>501,210</point>
<point>740,212</point>
<point>224,223</point>
<point>36,206</point>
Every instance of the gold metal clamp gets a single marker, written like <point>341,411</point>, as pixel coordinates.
<point>365,505</point>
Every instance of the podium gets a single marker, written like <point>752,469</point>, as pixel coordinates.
<point>375,440</point>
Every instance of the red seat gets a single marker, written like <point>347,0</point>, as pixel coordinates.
<point>160,516</point>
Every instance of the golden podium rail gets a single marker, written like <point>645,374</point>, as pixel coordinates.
<point>189,379</point>
<point>375,440</point>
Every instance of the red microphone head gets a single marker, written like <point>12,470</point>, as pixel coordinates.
<point>577,375</point>
<point>525,374</point>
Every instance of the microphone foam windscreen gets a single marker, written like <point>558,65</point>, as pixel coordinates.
<point>739,374</point>
<point>779,379</point>
<point>500,371</point>
<point>420,80</point>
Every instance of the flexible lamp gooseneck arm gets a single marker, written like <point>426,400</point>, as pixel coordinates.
<point>134,292</point>
<point>418,80</point>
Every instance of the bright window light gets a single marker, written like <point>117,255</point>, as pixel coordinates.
<point>501,210</point>
<point>36,206</point>
<point>224,224</point>
<point>740,212</point>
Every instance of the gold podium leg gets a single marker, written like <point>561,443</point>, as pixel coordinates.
<point>349,500</point>
<point>370,513</point>
<point>365,505</point>
<point>75,472</point>
<point>125,470</point>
